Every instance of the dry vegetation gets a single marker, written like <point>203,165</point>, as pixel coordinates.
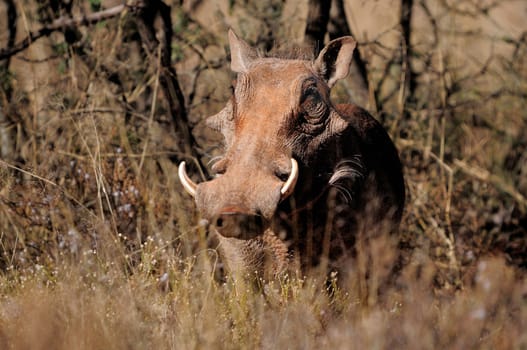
<point>100,249</point>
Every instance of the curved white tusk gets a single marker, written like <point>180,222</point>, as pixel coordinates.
<point>289,185</point>
<point>187,183</point>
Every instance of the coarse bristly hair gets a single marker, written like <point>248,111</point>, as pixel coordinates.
<point>288,51</point>
<point>347,173</point>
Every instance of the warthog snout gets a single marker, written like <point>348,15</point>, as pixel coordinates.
<point>241,203</point>
<point>239,225</point>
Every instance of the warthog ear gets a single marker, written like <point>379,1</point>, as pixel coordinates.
<point>241,53</point>
<point>333,62</point>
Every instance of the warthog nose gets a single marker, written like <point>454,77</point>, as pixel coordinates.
<point>239,225</point>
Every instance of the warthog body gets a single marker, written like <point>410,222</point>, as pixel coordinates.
<point>281,129</point>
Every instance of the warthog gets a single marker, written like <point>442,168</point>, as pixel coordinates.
<point>300,176</point>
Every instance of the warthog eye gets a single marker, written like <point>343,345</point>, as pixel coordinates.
<point>220,167</point>
<point>313,105</point>
<point>281,175</point>
<point>313,111</point>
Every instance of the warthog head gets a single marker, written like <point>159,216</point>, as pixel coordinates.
<point>280,128</point>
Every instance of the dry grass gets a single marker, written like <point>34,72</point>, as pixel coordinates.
<point>103,302</point>
<point>99,248</point>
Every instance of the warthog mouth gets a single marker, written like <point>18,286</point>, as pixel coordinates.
<point>234,221</point>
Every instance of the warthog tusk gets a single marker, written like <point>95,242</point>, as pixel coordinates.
<point>289,185</point>
<point>187,183</point>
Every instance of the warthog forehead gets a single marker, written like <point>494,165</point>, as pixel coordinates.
<point>275,74</point>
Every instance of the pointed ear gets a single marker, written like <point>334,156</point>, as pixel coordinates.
<point>333,62</point>
<point>241,53</point>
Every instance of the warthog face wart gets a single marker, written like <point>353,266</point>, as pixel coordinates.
<point>289,150</point>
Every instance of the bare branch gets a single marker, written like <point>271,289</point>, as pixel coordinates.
<point>405,22</point>
<point>7,139</point>
<point>11,25</point>
<point>59,24</point>
<point>317,22</point>
<point>168,76</point>
<point>338,26</point>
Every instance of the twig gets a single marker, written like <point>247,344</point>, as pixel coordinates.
<point>102,110</point>
<point>450,185</point>
<point>152,109</point>
<point>121,155</point>
<point>448,236</point>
